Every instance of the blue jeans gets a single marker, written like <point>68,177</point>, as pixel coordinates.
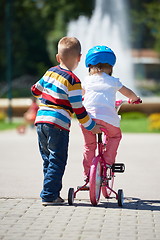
<point>53,145</point>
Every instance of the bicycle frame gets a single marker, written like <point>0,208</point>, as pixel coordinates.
<point>82,188</point>
<point>101,146</point>
<point>99,177</point>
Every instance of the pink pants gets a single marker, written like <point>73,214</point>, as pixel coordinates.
<point>114,135</point>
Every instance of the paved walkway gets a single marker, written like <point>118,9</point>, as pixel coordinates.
<point>23,217</point>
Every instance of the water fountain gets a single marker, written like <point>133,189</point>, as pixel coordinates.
<point>108,25</point>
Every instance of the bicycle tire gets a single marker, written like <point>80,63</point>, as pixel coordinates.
<point>109,183</point>
<point>95,181</point>
<point>71,196</point>
<point>120,198</point>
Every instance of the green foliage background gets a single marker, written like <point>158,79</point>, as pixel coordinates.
<point>37,25</point>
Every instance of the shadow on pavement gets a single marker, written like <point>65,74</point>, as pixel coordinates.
<point>137,204</point>
<point>129,203</point>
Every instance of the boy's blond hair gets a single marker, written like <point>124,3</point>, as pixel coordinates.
<point>69,47</point>
<point>100,67</point>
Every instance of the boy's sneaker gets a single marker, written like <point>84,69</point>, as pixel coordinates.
<point>57,201</point>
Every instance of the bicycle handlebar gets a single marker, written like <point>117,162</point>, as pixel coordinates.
<point>104,130</point>
<point>118,103</point>
<point>135,102</point>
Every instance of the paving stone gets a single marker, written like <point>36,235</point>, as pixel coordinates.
<point>23,217</point>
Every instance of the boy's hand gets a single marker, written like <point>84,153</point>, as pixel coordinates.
<point>97,129</point>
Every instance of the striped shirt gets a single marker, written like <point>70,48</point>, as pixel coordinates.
<point>60,93</point>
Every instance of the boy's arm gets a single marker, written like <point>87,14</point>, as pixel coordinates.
<point>37,88</point>
<point>97,127</point>
<point>75,98</point>
<point>127,92</point>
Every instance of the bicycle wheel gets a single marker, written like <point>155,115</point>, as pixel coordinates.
<point>71,196</point>
<point>95,181</point>
<point>109,183</point>
<point>120,198</point>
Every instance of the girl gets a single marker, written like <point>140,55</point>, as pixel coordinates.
<point>100,89</point>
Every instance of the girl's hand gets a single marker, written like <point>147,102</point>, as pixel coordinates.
<point>138,101</point>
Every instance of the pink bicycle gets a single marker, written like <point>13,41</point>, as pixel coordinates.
<point>101,177</point>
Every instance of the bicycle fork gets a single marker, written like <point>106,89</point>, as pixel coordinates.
<point>106,177</point>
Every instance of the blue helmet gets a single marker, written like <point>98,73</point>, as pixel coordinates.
<point>100,54</point>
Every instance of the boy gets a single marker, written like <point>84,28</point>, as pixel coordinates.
<point>61,95</point>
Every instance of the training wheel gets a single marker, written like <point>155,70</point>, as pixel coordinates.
<point>120,198</point>
<point>71,196</point>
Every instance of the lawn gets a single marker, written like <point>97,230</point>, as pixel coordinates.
<point>135,122</point>
<point>8,126</point>
<point>127,126</point>
<point>135,125</point>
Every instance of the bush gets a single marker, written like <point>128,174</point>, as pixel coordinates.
<point>133,115</point>
<point>2,116</point>
<point>154,121</point>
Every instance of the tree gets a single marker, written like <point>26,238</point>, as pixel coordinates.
<point>145,20</point>
<point>37,25</point>
<point>58,14</point>
<point>34,24</point>
<point>152,14</point>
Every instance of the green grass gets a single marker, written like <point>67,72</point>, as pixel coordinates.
<point>8,126</point>
<point>127,126</point>
<point>136,126</point>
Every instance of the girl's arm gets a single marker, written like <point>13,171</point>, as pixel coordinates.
<point>127,92</point>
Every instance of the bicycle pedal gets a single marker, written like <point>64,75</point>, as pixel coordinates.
<point>83,188</point>
<point>118,167</point>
